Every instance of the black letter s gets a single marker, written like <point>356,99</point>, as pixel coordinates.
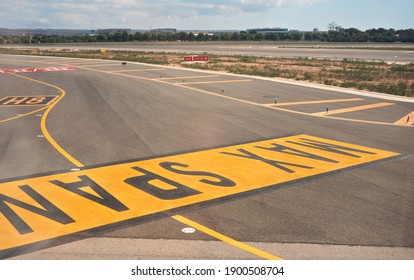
<point>222,181</point>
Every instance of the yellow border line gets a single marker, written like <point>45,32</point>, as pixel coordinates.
<point>135,70</point>
<point>352,109</point>
<point>23,115</point>
<point>226,239</point>
<point>92,65</point>
<point>186,77</point>
<point>52,60</point>
<point>315,102</point>
<point>214,82</point>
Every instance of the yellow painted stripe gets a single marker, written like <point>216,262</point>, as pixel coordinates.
<point>23,115</point>
<point>226,239</point>
<point>54,60</point>
<point>406,120</point>
<point>316,102</point>
<point>44,117</point>
<point>58,60</point>
<point>137,70</point>
<point>352,109</point>
<point>186,77</point>
<point>96,65</point>
<point>65,60</point>
<point>214,82</point>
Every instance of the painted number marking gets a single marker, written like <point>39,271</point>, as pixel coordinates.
<point>28,100</point>
<point>45,207</point>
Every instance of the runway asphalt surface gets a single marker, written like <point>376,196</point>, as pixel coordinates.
<point>101,160</point>
<point>400,53</point>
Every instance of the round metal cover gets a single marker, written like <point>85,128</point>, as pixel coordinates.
<point>188,230</point>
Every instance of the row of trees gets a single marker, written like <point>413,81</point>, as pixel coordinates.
<point>336,34</point>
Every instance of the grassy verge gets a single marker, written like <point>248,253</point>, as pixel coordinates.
<point>363,75</point>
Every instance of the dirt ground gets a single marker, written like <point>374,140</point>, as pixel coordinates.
<point>372,76</point>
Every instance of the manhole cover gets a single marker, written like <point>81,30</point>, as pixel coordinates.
<point>188,230</point>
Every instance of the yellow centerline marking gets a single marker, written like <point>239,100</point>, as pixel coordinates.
<point>352,109</point>
<point>95,65</point>
<point>55,60</point>
<point>406,120</point>
<point>186,77</point>
<point>213,82</point>
<point>78,164</point>
<point>226,239</point>
<point>316,102</point>
<point>136,70</point>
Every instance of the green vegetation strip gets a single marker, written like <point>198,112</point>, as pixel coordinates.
<point>363,75</point>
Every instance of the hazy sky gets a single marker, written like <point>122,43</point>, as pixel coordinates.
<point>206,15</point>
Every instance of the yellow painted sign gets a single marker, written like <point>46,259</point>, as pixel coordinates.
<point>42,100</point>
<point>49,206</point>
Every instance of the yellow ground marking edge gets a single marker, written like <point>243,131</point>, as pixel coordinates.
<point>54,60</point>
<point>135,70</point>
<point>353,109</point>
<point>187,77</point>
<point>23,115</point>
<point>213,82</point>
<point>78,164</point>
<point>92,65</point>
<point>403,120</point>
<point>226,239</point>
<point>315,102</point>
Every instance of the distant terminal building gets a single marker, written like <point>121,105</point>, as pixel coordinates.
<point>164,30</point>
<point>267,30</point>
<point>113,31</point>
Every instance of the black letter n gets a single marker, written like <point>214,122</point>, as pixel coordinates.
<point>50,211</point>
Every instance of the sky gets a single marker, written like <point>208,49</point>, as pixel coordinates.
<point>303,15</point>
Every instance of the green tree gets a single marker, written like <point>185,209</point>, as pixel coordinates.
<point>296,36</point>
<point>235,36</point>
<point>225,37</point>
<point>147,36</point>
<point>258,37</point>
<point>191,36</point>
<point>200,36</point>
<point>15,40</point>
<point>244,36</point>
<point>309,36</point>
